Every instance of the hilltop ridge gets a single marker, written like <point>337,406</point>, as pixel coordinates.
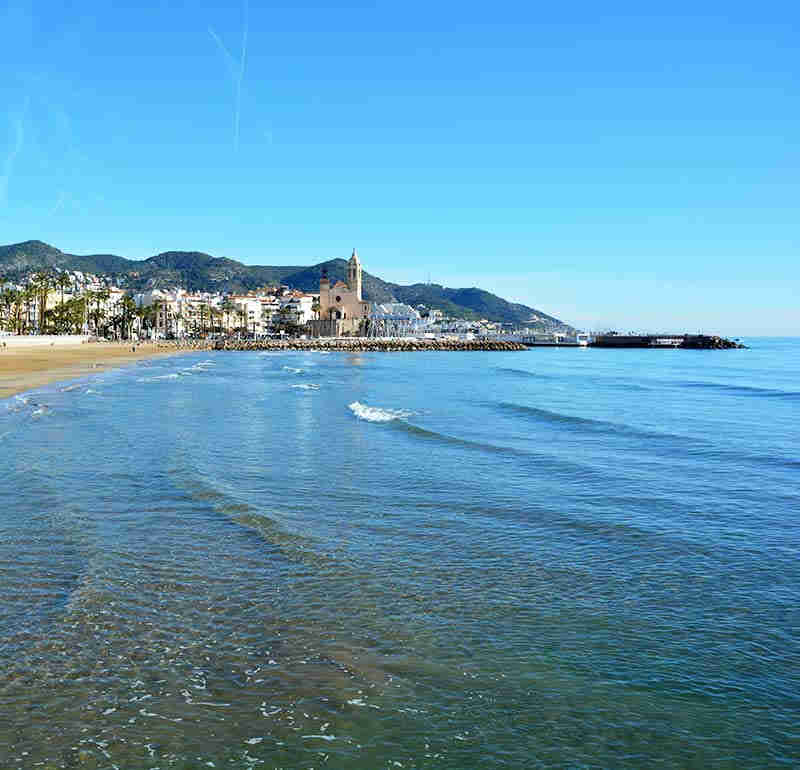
<point>198,271</point>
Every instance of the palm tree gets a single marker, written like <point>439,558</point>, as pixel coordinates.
<point>88,298</point>
<point>127,313</point>
<point>8,302</point>
<point>152,316</point>
<point>141,316</point>
<point>178,319</point>
<point>228,308</point>
<point>203,313</point>
<point>97,314</point>
<point>62,317</point>
<point>20,301</point>
<point>42,283</point>
<point>101,298</point>
<point>63,280</point>
<point>28,299</point>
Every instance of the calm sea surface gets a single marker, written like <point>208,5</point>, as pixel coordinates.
<point>555,558</point>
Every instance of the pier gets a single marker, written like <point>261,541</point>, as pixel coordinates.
<point>664,341</point>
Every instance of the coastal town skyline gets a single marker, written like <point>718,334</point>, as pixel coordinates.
<point>621,168</point>
<point>190,295</point>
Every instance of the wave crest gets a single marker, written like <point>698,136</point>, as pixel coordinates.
<point>522,373</point>
<point>742,390</point>
<point>376,413</point>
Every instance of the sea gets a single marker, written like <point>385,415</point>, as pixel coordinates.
<point>567,558</point>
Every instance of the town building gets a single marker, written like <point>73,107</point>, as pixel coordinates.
<point>342,309</point>
<point>396,319</point>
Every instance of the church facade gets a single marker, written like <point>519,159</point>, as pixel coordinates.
<point>342,310</point>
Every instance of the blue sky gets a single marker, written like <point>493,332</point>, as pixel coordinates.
<point>614,164</point>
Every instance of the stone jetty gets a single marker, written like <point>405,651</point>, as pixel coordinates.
<point>347,345</point>
<point>665,341</point>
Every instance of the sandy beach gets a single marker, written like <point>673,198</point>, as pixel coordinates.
<point>26,367</point>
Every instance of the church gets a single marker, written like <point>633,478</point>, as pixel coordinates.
<point>342,311</point>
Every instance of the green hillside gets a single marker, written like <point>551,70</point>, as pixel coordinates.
<point>197,271</point>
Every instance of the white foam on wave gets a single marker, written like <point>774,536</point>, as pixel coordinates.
<point>292,370</point>
<point>172,376</point>
<point>69,388</point>
<point>305,386</point>
<point>376,413</point>
<point>42,410</point>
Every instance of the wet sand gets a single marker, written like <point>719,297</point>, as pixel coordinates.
<point>24,368</point>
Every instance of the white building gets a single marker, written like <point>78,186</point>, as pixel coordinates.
<point>300,308</point>
<point>395,319</point>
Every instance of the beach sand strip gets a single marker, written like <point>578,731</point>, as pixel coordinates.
<point>25,368</point>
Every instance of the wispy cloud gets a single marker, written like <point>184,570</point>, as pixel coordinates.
<point>13,153</point>
<point>235,69</point>
<point>62,199</point>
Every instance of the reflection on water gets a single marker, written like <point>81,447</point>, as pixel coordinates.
<point>458,560</point>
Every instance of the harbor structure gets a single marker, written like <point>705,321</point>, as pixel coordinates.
<point>395,319</point>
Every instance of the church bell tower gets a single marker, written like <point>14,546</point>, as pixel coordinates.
<point>354,274</point>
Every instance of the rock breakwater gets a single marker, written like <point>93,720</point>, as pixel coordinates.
<point>353,345</point>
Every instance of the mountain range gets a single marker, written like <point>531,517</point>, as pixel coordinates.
<point>197,271</point>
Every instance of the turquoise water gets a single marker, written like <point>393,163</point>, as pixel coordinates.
<point>554,558</point>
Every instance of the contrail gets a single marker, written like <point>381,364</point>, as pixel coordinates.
<point>225,52</point>
<point>236,73</point>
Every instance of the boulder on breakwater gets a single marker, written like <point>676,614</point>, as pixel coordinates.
<point>347,345</point>
<point>712,342</point>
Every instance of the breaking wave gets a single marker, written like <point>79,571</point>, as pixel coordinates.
<point>305,386</point>
<point>376,413</point>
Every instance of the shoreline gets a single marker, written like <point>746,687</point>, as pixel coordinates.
<point>27,367</point>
